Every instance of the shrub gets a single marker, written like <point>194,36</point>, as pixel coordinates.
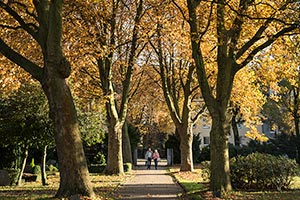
<point>127,167</point>
<point>174,143</point>
<point>262,171</point>
<point>96,168</point>
<point>37,169</point>
<point>52,168</point>
<point>32,163</point>
<point>205,170</point>
<point>100,159</point>
<point>196,148</point>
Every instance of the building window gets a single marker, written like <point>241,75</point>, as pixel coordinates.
<point>205,126</point>
<point>206,140</point>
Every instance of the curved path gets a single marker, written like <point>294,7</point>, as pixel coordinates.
<point>149,184</point>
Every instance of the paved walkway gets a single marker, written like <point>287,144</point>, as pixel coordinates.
<point>149,184</point>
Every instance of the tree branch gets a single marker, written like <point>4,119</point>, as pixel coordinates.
<point>266,44</point>
<point>19,19</point>
<point>32,68</point>
<point>202,33</point>
<point>253,40</point>
<point>180,10</point>
<point>197,116</point>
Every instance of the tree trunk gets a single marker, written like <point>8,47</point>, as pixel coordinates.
<point>235,131</point>
<point>114,160</point>
<point>23,166</point>
<point>296,123</point>
<point>186,140</point>
<point>220,171</point>
<point>44,175</point>
<point>74,176</point>
<point>127,154</point>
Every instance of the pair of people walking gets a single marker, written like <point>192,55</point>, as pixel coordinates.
<point>152,155</point>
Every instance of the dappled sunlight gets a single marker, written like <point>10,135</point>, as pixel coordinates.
<point>103,186</point>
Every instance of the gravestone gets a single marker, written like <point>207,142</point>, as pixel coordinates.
<point>170,157</point>
<point>135,157</point>
<point>4,178</point>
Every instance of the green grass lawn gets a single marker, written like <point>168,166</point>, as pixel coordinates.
<point>103,186</point>
<point>196,188</point>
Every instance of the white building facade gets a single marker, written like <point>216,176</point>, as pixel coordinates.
<point>203,128</point>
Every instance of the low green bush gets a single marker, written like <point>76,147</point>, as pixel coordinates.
<point>37,169</point>
<point>96,168</point>
<point>127,167</point>
<point>100,159</point>
<point>205,170</point>
<point>262,171</point>
<point>52,168</point>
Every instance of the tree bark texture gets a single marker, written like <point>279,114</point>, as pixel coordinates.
<point>186,154</point>
<point>180,116</point>
<point>127,153</point>
<point>74,176</point>
<point>115,160</point>
<point>230,48</point>
<point>217,104</point>
<point>117,111</point>
<point>220,171</point>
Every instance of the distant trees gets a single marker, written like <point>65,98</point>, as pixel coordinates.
<point>281,70</point>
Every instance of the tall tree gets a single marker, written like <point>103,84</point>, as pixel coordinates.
<point>116,116</point>
<point>113,25</point>
<point>178,85</point>
<point>42,20</point>
<point>243,28</point>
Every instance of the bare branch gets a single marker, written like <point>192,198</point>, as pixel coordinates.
<point>202,33</point>
<point>197,116</point>
<point>137,86</point>
<point>180,10</point>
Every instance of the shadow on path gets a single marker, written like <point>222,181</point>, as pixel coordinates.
<point>149,184</point>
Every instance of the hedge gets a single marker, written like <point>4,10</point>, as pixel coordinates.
<point>262,171</point>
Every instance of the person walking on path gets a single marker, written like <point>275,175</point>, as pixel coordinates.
<point>148,157</point>
<point>155,158</point>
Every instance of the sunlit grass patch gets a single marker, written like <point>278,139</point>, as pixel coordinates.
<point>192,182</point>
<point>103,186</point>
